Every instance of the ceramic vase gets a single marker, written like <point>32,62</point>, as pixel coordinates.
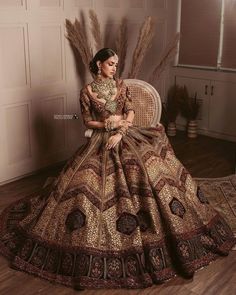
<point>192,129</point>
<point>171,129</point>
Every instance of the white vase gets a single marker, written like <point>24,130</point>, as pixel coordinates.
<point>192,129</point>
<point>171,129</point>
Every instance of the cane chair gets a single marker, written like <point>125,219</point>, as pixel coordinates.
<point>146,102</point>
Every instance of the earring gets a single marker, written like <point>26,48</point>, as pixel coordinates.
<point>99,73</point>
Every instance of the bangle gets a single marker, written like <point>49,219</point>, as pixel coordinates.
<point>109,125</point>
<point>122,130</point>
<point>112,125</point>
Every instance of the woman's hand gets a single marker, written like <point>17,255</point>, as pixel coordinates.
<point>124,123</point>
<point>117,123</point>
<point>113,140</point>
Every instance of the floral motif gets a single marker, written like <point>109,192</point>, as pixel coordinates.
<point>155,258</point>
<point>184,249</point>
<point>75,220</point>
<point>126,223</point>
<point>114,268</point>
<point>97,267</point>
<point>132,267</point>
<point>26,249</point>
<point>51,263</point>
<point>177,208</point>
<point>82,265</point>
<point>144,220</point>
<point>38,256</point>
<point>201,196</point>
<point>67,264</point>
<point>206,240</point>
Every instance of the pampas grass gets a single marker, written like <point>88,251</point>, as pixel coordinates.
<point>146,34</point>
<point>95,29</point>
<point>165,58</point>
<point>79,40</point>
<point>76,36</point>
<point>173,103</point>
<point>189,105</point>
<point>121,46</point>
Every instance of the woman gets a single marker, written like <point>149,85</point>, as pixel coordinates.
<point>123,212</point>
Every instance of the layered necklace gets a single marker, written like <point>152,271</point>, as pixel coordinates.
<point>105,89</point>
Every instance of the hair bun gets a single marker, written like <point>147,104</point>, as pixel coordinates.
<point>93,66</point>
<point>102,55</point>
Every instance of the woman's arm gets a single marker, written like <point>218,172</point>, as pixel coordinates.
<point>130,116</point>
<point>95,124</point>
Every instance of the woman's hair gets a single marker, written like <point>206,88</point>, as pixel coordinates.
<point>102,55</point>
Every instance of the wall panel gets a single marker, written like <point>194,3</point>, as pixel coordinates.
<point>14,62</point>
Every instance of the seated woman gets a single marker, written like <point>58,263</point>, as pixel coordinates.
<point>123,212</point>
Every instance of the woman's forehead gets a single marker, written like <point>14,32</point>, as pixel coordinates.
<point>113,59</point>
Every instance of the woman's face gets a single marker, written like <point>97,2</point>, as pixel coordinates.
<point>108,67</point>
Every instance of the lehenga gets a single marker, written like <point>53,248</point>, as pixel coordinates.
<point>128,217</point>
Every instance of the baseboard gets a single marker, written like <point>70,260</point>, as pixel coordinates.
<point>209,133</point>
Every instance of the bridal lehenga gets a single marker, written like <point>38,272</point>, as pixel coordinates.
<point>128,217</point>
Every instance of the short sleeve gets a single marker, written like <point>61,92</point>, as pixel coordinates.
<point>85,107</point>
<point>128,106</point>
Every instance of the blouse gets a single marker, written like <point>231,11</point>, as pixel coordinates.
<point>94,109</point>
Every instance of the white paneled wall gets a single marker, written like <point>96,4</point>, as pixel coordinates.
<point>14,56</point>
<point>39,77</point>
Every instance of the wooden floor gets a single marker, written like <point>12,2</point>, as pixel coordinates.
<point>203,157</point>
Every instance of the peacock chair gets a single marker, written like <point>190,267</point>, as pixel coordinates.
<point>146,102</point>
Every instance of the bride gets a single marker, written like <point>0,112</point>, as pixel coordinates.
<point>123,212</point>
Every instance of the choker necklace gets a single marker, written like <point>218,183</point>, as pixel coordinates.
<point>105,89</point>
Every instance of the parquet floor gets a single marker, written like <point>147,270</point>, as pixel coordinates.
<point>203,157</point>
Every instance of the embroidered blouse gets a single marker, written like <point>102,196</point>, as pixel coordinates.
<point>94,109</point>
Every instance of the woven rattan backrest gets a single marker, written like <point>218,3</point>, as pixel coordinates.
<point>146,101</point>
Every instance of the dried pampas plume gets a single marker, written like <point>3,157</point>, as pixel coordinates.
<point>165,58</point>
<point>95,29</point>
<point>146,34</point>
<point>76,36</point>
<point>121,46</point>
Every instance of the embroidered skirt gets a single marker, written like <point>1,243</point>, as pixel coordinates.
<point>128,217</point>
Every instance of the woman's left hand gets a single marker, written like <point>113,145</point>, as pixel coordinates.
<point>113,140</point>
<point>124,123</point>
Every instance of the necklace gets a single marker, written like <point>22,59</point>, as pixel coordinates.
<point>105,89</point>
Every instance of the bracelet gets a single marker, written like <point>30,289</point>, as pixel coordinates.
<point>122,130</point>
<point>106,125</point>
<point>109,125</point>
<point>112,125</point>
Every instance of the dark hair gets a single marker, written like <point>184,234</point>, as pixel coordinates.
<point>102,55</point>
